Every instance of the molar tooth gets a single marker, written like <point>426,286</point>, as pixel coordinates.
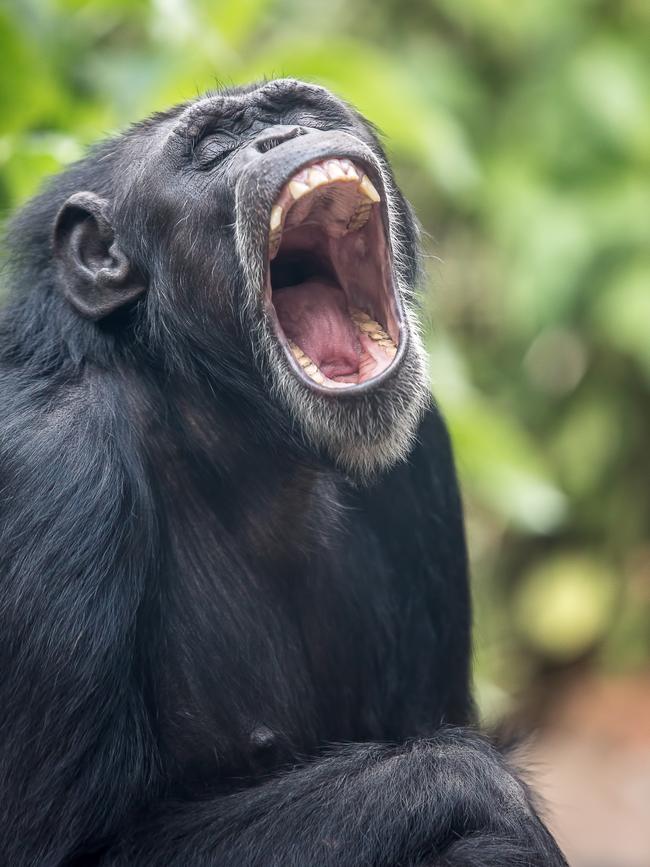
<point>318,377</point>
<point>368,189</point>
<point>391,351</point>
<point>298,189</point>
<point>360,217</point>
<point>379,335</point>
<point>386,341</point>
<point>276,217</point>
<point>317,177</point>
<point>311,369</point>
<point>305,361</point>
<point>369,326</point>
<point>359,315</point>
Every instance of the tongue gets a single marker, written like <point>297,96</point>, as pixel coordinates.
<point>315,316</point>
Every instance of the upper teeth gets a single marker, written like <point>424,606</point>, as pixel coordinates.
<point>298,189</point>
<point>350,170</point>
<point>366,186</point>
<point>318,175</point>
<point>335,170</point>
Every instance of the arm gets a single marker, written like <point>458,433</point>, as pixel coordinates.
<point>449,801</point>
<point>70,717</point>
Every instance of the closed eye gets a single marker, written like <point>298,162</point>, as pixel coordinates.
<point>212,148</point>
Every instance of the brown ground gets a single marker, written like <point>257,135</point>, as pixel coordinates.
<point>591,764</point>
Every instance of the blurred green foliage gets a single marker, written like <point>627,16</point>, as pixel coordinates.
<point>521,133</point>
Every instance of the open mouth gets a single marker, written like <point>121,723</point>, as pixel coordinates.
<point>330,276</point>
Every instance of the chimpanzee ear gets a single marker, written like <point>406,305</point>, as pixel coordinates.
<point>96,276</point>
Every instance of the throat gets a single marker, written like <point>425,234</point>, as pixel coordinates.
<point>315,317</point>
<point>287,516</point>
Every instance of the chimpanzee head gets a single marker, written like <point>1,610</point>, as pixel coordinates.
<point>260,228</point>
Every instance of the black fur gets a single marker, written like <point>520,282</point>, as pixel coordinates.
<point>214,648</point>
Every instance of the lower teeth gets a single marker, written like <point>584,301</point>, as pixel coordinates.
<point>366,325</point>
<point>310,368</point>
<point>374,331</point>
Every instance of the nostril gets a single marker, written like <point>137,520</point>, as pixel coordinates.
<point>276,135</point>
<point>267,144</point>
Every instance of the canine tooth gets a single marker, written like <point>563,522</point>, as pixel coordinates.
<point>335,170</point>
<point>298,189</point>
<point>368,189</point>
<point>317,178</point>
<point>276,217</point>
<point>311,369</point>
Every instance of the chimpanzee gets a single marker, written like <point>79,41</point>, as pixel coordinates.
<point>234,613</point>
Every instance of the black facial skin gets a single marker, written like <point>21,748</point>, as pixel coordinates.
<point>234,613</point>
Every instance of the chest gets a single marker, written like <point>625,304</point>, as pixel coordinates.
<point>262,661</point>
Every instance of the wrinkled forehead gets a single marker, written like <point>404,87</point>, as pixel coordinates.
<point>263,103</point>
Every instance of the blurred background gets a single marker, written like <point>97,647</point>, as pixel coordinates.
<point>521,133</point>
